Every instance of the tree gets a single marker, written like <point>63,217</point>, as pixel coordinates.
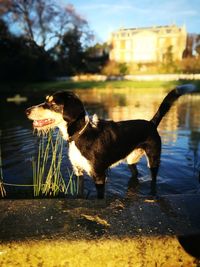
<point>41,21</point>
<point>192,45</point>
<point>168,65</point>
<point>4,31</point>
<point>43,30</point>
<point>96,56</point>
<point>197,48</point>
<point>168,55</point>
<point>98,50</point>
<point>69,53</point>
<point>21,59</point>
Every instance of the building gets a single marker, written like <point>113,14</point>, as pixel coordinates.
<point>147,45</point>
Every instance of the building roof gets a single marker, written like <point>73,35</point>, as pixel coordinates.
<point>168,28</point>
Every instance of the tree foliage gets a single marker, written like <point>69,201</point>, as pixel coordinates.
<point>192,45</point>
<point>22,59</point>
<point>42,21</point>
<point>40,39</point>
<point>69,53</point>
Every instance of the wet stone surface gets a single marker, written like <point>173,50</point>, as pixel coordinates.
<point>170,215</point>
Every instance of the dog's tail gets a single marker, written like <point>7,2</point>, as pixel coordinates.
<point>170,99</point>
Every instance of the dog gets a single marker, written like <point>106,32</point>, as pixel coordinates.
<point>96,144</point>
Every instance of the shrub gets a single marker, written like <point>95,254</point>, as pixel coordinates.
<point>111,69</point>
<point>190,65</point>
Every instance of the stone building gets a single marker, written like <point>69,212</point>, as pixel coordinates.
<point>145,45</point>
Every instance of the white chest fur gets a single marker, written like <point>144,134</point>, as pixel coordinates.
<point>79,162</point>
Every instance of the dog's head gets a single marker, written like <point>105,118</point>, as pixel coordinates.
<point>59,110</point>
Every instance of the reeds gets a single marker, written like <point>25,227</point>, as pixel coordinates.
<point>2,189</point>
<point>47,177</point>
<point>46,167</point>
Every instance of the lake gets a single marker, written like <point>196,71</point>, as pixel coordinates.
<point>180,133</point>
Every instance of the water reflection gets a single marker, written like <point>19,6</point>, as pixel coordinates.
<point>129,104</point>
<point>180,132</point>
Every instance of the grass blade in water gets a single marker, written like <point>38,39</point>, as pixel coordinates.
<point>47,176</point>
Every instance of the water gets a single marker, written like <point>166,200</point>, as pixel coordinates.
<point>180,132</point>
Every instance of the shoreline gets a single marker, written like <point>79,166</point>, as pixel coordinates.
<point>10,88</point>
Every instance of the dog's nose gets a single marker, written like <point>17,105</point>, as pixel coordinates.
<point>28,111</point>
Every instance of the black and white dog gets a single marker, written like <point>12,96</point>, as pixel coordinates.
<point>95,144</point>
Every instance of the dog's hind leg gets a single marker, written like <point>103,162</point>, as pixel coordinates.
<point>133,169</point>
<point>154,172</point>
<point>132,159</point>
<point>133,182</point>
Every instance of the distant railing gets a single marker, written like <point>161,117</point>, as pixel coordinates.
<point>134,77</point>
<point>162,77</point>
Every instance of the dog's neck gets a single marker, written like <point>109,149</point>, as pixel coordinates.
<point>78,128</point>
<point>73,130</point>
<point>76,125</point>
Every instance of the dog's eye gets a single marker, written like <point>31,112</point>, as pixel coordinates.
<point>50,103</point>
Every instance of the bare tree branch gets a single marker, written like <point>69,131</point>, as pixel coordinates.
<point>43,21</point>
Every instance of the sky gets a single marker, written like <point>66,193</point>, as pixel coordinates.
<point>106,16</point>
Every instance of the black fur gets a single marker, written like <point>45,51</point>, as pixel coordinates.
<point>109,142</point>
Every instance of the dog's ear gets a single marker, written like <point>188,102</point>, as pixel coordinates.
<point>73,110</point>
<point>72,106</point>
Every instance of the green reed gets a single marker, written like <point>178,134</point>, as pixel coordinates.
<point>2,189</point>
<point>47,176</point>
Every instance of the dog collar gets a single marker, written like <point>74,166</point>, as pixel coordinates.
<point>77,135</point>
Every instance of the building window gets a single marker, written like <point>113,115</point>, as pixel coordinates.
<point>122,44</point>
<point>128,44</point>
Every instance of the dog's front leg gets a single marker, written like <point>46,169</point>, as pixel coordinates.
<point>154,172</point>
<point>100,190</point>
<point>80,179</point>
<point>134,178</point>
<point>100,186</point>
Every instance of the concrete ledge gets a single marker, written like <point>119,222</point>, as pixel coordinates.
<point>136,231</point>
<point>136,252</point>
